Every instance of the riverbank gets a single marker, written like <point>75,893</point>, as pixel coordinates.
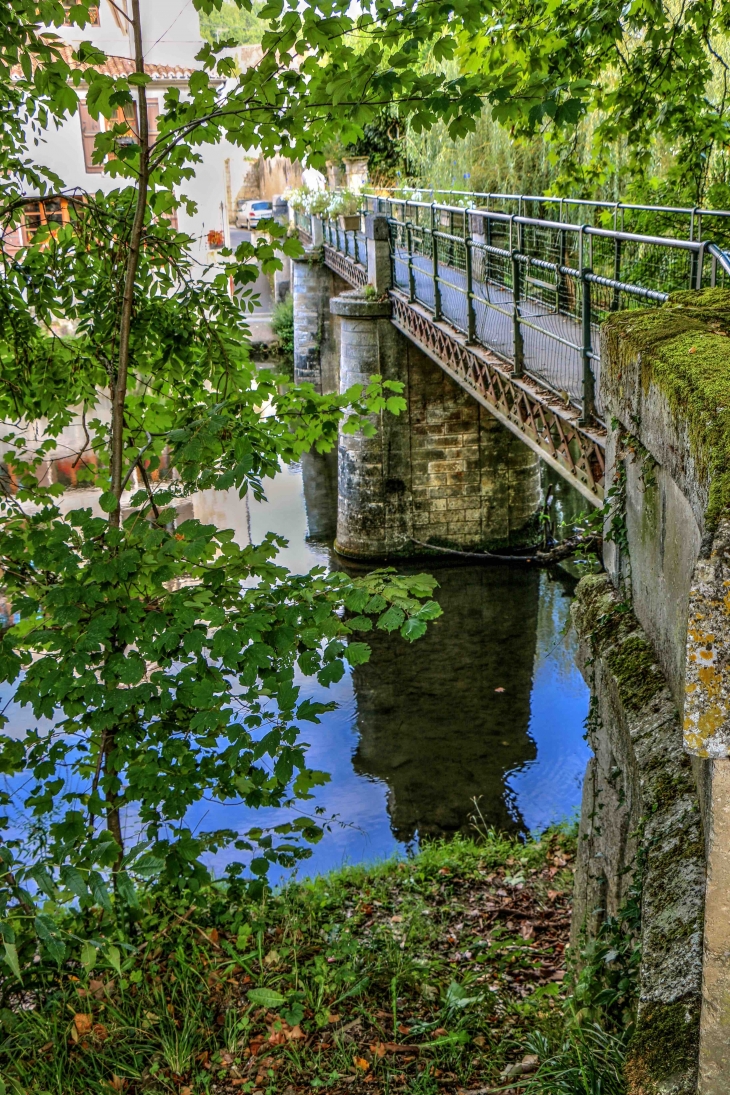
<point>441,973</point>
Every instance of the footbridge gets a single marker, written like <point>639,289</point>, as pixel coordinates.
<point>507,293</point>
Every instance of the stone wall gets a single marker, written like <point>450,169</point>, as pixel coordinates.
<point>640,826</point>
<point>443,472</point>
<point>316,330</point>
<point>665,383</point>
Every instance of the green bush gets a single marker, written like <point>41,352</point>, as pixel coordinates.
<point>282,324</point>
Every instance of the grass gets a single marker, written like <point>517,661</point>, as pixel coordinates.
<point>441,973</point>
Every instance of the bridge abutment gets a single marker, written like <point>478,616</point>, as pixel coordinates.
<point>656,640</point>
<point>444,472</point>
<point>316,329</point>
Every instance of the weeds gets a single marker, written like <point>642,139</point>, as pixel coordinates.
<point>430,975</point>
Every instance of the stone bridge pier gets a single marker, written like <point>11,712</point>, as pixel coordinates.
<point>444,471</point>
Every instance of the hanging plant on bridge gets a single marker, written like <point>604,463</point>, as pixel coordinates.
<point>155,658</point>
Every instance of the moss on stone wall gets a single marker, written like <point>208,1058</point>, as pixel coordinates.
<point>685,351</point>
<point>665,1046</point>
<point>613,631</point>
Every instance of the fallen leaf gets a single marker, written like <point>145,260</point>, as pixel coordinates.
<point>396,919</point>
<point>403,1029</point>
<point>693,350</point>
<point>213,935</point>
<point>527,929</point>
<point>361,1063</point>
<point>378,1049</point>
<point>100,1032</point>
<point>118,1083</point>
<point>296,1034</point>
<point>499,689</point>
<point>333,1018</point>
<point>82,1023</point>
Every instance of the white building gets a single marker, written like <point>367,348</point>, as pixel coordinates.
<point>171,39</point>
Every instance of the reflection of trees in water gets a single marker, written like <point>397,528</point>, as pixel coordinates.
<point>432,725</point>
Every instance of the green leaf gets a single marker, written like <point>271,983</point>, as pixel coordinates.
<point>108,501</point>
<point>89,955</point>
<point>114,957</point>
<point>265,998</point>
<point>357,653</point>
<point>392,619</point>
<point>413,629</point>
<point>125,889</point>
<point>11,957</point>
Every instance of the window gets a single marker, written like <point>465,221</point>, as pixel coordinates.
<point>89,129</point>
<point>92,20</point>
<point>50,211</point>
<point>126,116</point>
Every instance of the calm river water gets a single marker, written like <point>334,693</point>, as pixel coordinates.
<point>489,706</point>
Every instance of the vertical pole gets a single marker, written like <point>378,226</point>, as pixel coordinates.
<point>519,366</point>
<point>411,276</point>
<point>589,396</point>
<point>344,232</point>
<point>435,250</point>
<point>616,302</point>
<point>470,315</point>
<point>489,256</point>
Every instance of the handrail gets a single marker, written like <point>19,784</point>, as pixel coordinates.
<point>531,289</point>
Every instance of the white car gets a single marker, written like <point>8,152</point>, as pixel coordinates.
<point>249,213</point>
<point>242,208</point>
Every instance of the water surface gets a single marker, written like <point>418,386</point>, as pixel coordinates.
<point>488,706</point>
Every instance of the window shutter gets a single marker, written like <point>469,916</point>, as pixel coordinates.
<point>89,128</point>
<point>153,111</point>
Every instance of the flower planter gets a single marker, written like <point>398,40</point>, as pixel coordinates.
<point>350,223</point>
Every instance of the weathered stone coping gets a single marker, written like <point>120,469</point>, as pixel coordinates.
<point>665,373</point>
<point>356,306</point>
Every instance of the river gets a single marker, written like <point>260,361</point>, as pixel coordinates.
<point>488,706</point>
<point>487,710</point>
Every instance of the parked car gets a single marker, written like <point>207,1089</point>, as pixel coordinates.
<point>242,208</point>
<point>258,211</point>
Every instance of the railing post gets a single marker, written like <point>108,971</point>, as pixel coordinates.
<point>471,319</point>
<point>435,256</point>
<point>616,301</point>
<point>519,366</point>
<point>588,412</point>
<point>380,261</point>
<point>411,275</point>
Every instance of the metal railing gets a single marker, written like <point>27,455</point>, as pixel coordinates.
<point>680,222</point>
<point>303,222</point>
<point>350,242</point>
<point>534,290</point>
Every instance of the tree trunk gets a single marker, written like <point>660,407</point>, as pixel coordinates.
<point>119,389</point>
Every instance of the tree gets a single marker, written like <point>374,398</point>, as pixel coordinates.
<point>162,653</point>
<point>232,23</point>
<point>651,77</point>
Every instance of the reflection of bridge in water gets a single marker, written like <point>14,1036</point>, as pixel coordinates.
<point>507,293</point>
<point>444,721</point>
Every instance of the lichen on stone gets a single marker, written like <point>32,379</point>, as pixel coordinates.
<point>684,349</point>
